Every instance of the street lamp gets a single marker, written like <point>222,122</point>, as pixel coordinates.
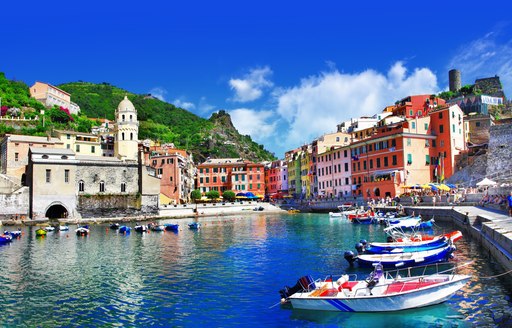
<point>42,113</point>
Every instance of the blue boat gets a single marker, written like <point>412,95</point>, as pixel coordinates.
<point>407,247</point>
<point>14,234</point>
<point>124,229</point>
<point>5,239</point>
<point>194,225</point>
<point>401,260</point>
<point>171,227</point>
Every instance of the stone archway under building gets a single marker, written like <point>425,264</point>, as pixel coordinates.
<point>56,211</point>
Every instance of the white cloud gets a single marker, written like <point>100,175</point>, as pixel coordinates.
<point>485,57</point>
<point>251,86</point>
<point>204,107</point>
<point>320,102</point>
<point>258,124</point>
<point>159,93</point>
<point>183,104</point>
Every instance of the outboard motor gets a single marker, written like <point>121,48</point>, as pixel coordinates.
<point>350,257</point>
<point>359,247</point>
<point>363,241</point>
<point>304,284</point>
<point>390,239</point>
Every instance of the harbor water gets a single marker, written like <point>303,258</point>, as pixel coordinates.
<point>226,274</point>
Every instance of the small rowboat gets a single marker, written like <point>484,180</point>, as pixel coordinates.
<point>381,291</point>
<point>171,227</point>
<point>5,239</point>
<point>15,234</point>
<point>194,225</point>
<point>40,232</point>
<point>407,247</point>
<point>454,236</point>
<point>124,229</point>
<point>82,231</point>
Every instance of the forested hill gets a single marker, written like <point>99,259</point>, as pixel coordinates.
<point>215,138</point>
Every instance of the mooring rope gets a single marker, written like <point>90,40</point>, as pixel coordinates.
<point>498,275</point>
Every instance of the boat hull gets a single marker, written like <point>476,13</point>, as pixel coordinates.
<point>405,260</point>
<point>385,303</point>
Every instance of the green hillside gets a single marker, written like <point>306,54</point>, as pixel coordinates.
<point>166,123</point>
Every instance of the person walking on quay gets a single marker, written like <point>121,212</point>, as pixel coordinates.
<point>509,198</point>
<point>434,200</point>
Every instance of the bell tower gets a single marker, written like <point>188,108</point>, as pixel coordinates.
<point>127,131</point>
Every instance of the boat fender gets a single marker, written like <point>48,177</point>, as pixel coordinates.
<point>342,280</point>
<point>363,241</point>
<point>350,257</point>
<point>359,247</point>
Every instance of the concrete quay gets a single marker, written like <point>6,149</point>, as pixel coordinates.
<point>165,212</point>
<point>490,227</point>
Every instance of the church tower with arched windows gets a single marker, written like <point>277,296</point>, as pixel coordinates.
<point>127,131</point>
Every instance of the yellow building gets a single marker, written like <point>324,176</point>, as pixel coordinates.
<point>79,142</point>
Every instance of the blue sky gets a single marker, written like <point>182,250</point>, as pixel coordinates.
<point>286,71</point>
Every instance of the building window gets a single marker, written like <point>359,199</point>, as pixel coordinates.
<point>408,141</point>
<point>371,164</point>
<point>77,147</point>
<point>426,126</point>
<point>411,113</point>
<point>122,136</point>
<point>123,117</point>
<point>48,176</point>
<point>131,136</point>
<point>441,115</point>
<point>413,125</point>
<point>201,180</point>
<point>68,136</point>
<point>102,186</point>
<point>378,162</point>
<point>68,146</point>
<point>130,118</point>
<point>420,113</point>
<point>207,179</point>
<point>409,159</point>
<point>477,124</point>
<point>393,160</point>
<point>453,128</point>
<point>93,149</point>
<point>123,187</point>
<point>441,128</point>
<point>345,153</point>
<point>81,186</point>
<point>214,179</point>
<point>386,161</point>
<point>16,157</point>
<point>66,176</point>
<point>223,179</point>
<point>433,143</point>
<point>427,160</point>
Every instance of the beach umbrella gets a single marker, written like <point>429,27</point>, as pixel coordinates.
<point>486,182</point>
<point>443,187</point>
<point>426,186</point>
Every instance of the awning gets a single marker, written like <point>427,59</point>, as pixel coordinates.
<point>384,172</point>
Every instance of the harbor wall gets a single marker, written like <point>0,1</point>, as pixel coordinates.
<point>492,230</point>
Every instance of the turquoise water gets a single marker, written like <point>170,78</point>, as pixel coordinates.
<point>226,274</point>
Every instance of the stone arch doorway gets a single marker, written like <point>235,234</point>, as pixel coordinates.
<point>56,211</point>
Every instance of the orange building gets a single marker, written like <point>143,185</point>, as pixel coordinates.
<point>415,106</point>
<point>234,174</point>
<point>414,150</point>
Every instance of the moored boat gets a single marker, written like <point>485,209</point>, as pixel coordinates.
<point>155,227</point>
<point>194,225</point>
<point>397,260</point>
<point>171,227</point>
<point>381,291</point>
<point>40,232</point>
<point>114,226</point>
<point>82,231</point>
<point>454,236</point>
<point>49,228</point>
<point>63,228</point>
<point>141,228</point>
<point>15,234</point>
<point>404,247</point>
<point>5,239</point>
<point>124,229</point>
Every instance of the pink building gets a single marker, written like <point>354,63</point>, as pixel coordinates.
<point>334,172</point>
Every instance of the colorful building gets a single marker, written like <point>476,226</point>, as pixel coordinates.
<point>234,174</point>
<point>334,172</point>
<point>80,142</point>
<point>276,175</point>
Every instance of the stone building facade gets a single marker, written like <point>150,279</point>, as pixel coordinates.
<point>64,184</point>
<point>499,158</point>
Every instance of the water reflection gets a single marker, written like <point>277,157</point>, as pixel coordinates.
<point>227,273</point>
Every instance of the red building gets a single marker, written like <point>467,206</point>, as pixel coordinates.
<point>275,178</point>
<point>416,106</point>
<point>234,174</point>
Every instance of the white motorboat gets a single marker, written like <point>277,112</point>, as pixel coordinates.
<point>380,292</point>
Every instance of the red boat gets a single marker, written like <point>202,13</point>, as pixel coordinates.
<point>454,236</point>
